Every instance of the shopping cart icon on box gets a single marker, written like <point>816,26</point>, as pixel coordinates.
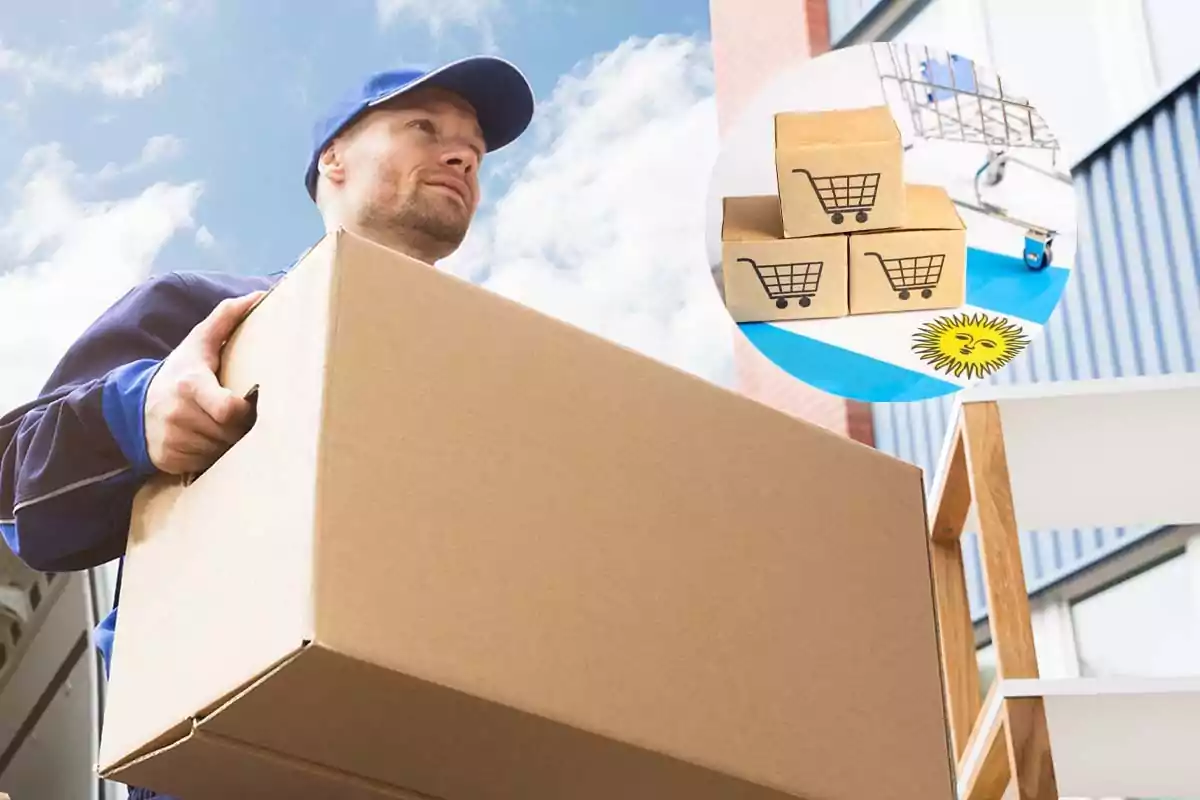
<point>782,282</point>
<point>841,194</point>
<point>912,274</point>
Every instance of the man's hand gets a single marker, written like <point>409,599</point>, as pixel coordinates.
<point>191,420</point>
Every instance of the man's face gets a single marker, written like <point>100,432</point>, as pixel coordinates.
<point>411,167</point>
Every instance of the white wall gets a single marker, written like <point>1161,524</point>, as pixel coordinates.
<point>1173,26</point>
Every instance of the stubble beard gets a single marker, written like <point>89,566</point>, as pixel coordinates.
<point>422,220</point>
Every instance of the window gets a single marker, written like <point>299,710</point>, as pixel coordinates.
<point>1145,626</point>
<point>986,656</point>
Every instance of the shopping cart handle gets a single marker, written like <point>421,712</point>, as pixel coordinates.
<point>749,261</point>
<point>802,169</point>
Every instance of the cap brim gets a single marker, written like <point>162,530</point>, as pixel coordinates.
<point>500,94</point>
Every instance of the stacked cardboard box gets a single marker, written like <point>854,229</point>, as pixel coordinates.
<point>844,234</point>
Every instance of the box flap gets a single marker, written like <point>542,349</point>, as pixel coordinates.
<point>184,729</point>
<point>844,126</point>
<point>203,766</point>
<point>929,208</point>
<point>751,219</point>
<point>395,730</point>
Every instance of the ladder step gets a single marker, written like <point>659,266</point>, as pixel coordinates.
<point>1120,737</point>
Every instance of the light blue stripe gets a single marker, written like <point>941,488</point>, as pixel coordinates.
<point>1004,284</point>
<point>1140,231</point>
<point>842,372</point>
<point>9,531</point>
<point>1123,208</point>
<point>124,402</point>
<point>1186,194</point>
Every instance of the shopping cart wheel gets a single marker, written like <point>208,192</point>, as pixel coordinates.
<point>836,218</point>
<point>781,303</point>
<point>1038,261</point>
<point>904,295</point>
<point>805,301</point>
<point>861,216</point>
<point>927,293</point>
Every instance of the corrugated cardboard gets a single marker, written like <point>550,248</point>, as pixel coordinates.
<point>922,266</point>
<point>839,171</point>
<point>470,552</point>
<point>768,277</point>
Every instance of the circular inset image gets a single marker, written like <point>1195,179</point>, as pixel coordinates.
<point>890,222</point>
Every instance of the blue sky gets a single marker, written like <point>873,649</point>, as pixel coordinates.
<point>246,79</point>
<point>145,136</point>
<point>150,136</point>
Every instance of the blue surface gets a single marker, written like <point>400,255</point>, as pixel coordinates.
<point>8,530</point>
<point>950,77</point>
<point>841,372</point>
<point>124,408</point>
<point>1004,284</point>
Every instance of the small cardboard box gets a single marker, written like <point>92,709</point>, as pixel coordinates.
<point>839,171</point>
<point>768,277</point>
<point>468,551</point>
<point>922,266</point>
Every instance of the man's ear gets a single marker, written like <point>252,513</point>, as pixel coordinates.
<point>330,162</point>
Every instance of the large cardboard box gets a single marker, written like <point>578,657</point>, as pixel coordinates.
<point>471,552</point>
<point>839,171</point>
<point>768,277</point>
<point>923,266</point>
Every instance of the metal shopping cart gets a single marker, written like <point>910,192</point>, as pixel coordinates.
<point>912,273</point>
<point>841,194</point>
<point>782,282</point>
<point>952,98</point>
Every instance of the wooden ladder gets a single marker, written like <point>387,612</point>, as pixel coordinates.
<point>991,750</point>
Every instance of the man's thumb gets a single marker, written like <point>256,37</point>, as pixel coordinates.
<point>224,319</point>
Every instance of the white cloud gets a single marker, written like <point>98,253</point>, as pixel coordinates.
<point>205,238</point>
<point>160,148</point>
<point>439,15</point>
<point>156,150</point>
<point>132,68</point>
<point>128,66</point>
<point>31,70</point>
<point>604,226</point>
<point>64,259</point>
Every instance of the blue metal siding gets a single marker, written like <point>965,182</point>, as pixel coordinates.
<point>1132,307</point>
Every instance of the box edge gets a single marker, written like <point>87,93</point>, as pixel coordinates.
<point>951,761</point>
<point>186,728</point>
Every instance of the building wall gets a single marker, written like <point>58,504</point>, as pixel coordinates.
<point>750,47</point>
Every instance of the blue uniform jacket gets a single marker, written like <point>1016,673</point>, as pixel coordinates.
<point>72,459</point>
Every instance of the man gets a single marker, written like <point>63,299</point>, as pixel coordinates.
<point>137,394</point>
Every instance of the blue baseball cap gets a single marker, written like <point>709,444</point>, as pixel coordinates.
<point>498,91</point>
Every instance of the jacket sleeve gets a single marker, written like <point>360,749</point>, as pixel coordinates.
<point>72,459</point>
